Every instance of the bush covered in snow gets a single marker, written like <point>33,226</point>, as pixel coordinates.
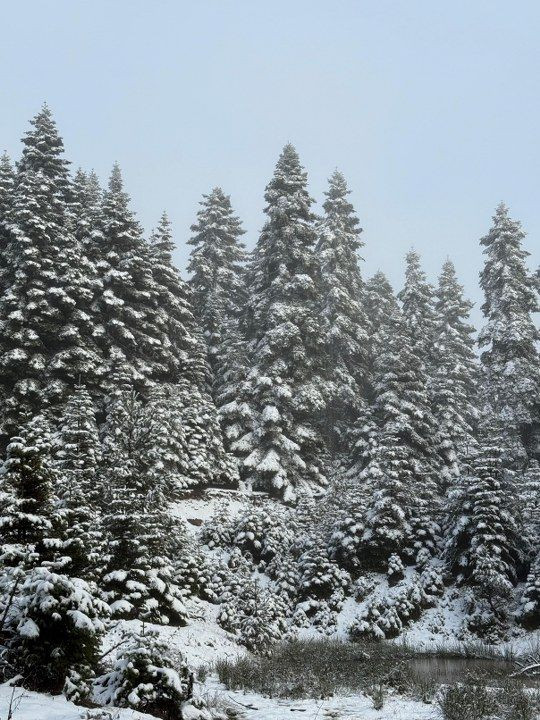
<point>144,677</point>
<point>256,615</point>
<point>386,615</point>
<point>261,533</point>
<point>55,627</point>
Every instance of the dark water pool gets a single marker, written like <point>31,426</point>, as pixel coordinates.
<point>449,670</point>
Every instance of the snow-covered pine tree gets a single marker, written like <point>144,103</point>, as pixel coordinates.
<point>187,449</point>
<point>417,299</point>
<point>217,275</point>
<point>510,361</point>
<point>399,479</point>
<point>7,181</point>
<point>343,316</point>
<point>50,620</point>
<point>380,305</point>
<point>54,629</point>
<point>77,457</point>
<point>125,310</point>
<point>485,547</point>
<point>530,501</point>
<point>78,448</point>
<point>86,208</point>
<point>529,609</point>
<point>455,373</point>
<point>285,450</point>
<point>46,330</point>
<point>181,331</point>
<point>219,297</point>
<point>146,677</point>
<point>137,574</point>
<point>27,522</point>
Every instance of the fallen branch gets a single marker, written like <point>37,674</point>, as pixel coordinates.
<point>528,668</point>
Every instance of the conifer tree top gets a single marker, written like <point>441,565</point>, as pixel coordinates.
<point>161,240</point>
<point>505,279</point>
<point>338,209</point>
<point>43,147</point>
<point>289,181</point>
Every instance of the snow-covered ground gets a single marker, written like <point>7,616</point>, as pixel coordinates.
<point>357,707</point>
<point>26,705</point>
<point>34,706</point>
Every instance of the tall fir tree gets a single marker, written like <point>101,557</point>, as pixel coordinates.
<point>455,373</point>
<point>510,360</point>
<point>285,451</point>
<point>399,503</point>
<point>485,547</point>
<point>217,278</point>
<point>7,182</point>
<point>180,330</point>
<point>46,331</point>
<point>417,299</point>
<point>77,456</point>
<point>380,305</point>
<point>343,316</point>
<point>137,572</point>
<point>125,310</point>
<point>218,282</point>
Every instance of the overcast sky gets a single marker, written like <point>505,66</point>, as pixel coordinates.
<point>430,109</point>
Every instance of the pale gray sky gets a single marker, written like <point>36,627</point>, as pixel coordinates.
<point>431,109</point>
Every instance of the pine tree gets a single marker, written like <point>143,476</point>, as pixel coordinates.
<point>55,629</point>
<point>145,677</point>
<point>285,451</point>
<point>77,457</point>
<point>7,181</point>
<point>529,610</point>
<point>530,500</point>
<point>86,209</point>
<point>217,274</point>
<point>137,574</point>
<point>455,376</point>
<point>188,447</point>
<point>125,310</point>
<point>219,297</point>
<point>485,548</point>
<point>380,305</point>
<point>343,316</point>
<point>398,482</point>
<point>46,332</point>
<point>180,330</point>
<point>417,299</point>
<point>510,361</point>
<point>27,524</point>
<point>78,446</point>
<point>50,617</point>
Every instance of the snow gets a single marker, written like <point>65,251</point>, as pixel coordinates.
<point>35,706</point>
<point>347,707</point>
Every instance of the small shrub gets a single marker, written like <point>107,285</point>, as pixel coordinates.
<point>261,535</point>
<point>467,702</point>
<point>218,531</point>
<point>145,677</point>
<point>395,571</point>
<point>256,615</point>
